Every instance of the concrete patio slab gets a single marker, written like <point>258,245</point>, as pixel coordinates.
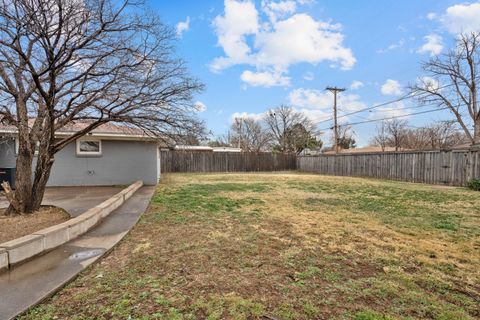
<point>36,280</point>
<point>75,200</point>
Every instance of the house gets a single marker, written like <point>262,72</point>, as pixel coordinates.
<point>110,155</point>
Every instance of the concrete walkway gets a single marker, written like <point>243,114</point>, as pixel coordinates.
<point>32,282</point>
<point>75,200</point>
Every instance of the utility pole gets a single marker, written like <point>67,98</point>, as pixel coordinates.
<point>335,91</point>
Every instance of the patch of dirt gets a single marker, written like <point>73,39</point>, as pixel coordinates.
<point>12,227</point>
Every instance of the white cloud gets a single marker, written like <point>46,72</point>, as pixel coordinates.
<point>317,105</point>
<point>462,18</point>
<point>356,85</point>
<point>432,16</point>
<point>264,79</point>
<point>308,41</point>
<point>275,10</point>
<point>391,88</point>
<point>240,115</point>
<point>306,2</point>
<point>433,45</point>
<point>309,76</point>
<point>428,83</point>
<point>393,46</point>
<point>239,20</point>
<point>316,99</point>
<point>272,46</point>
<point>182,27</point>
<point>200,106</point>
<point>396,109</point>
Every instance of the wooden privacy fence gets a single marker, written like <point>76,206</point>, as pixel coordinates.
<point>198,161</point>
<point>454,168</point>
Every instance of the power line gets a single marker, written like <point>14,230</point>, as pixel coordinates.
<point>404,97</point>
<point>390,118</point>
<point>369,108</point>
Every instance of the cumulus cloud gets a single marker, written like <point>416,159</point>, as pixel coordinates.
<point>264,79</point>
<point>391,88</point>
<point>462,18</point>
<point>356,85</point>
<point>247,39</point>
<point>433,45</point>
<point>308,41</point>
<point>240,19</point>
<point>200,106</point>
<point>182,27</point>
<point>275,10</point>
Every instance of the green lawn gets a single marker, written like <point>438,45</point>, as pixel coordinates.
<point>288,246</point>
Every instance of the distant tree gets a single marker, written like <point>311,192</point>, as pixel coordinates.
<point>438,135</point>
<point>290,130</point>
<point>452,81</point>
<point>249,135</point>
<point>444,134</point>
<point>345,138</point>
<point>220,141</point>
<point>299,139</point>
<point>396,130</point>
<point>381,137</point>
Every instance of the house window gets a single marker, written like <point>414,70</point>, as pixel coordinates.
<point>89,147</point>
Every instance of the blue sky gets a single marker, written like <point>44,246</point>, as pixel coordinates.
<point>256,55</point>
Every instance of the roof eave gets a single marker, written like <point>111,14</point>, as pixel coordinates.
<point>109,136</point>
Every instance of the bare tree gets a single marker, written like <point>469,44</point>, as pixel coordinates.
<point>90,61</point>
<point>249,135</point>
<point>452,82</point>
<point>381,137</point>
<point>438,135</point>
<point>281,123</point>
<point>396,130</point>
<point>221,141</point>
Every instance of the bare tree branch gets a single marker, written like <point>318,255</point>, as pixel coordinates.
<point>89,61</point>
<point>451,81</point>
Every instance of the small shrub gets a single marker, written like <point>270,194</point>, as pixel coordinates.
<point>474,184</point>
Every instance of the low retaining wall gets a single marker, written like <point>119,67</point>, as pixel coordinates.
<point>24,248</point>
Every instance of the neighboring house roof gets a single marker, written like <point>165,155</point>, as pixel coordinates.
<point>206,148</point>
<point>226,149</point>
<point>108,130</point>
<point>192,148</point>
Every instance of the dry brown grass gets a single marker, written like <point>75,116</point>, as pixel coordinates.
<point>288,246</point>
<point>12,227</point>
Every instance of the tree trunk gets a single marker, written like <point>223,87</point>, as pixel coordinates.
<point>476,133</point>
<point>23,181</point>
<point>42,174</point>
